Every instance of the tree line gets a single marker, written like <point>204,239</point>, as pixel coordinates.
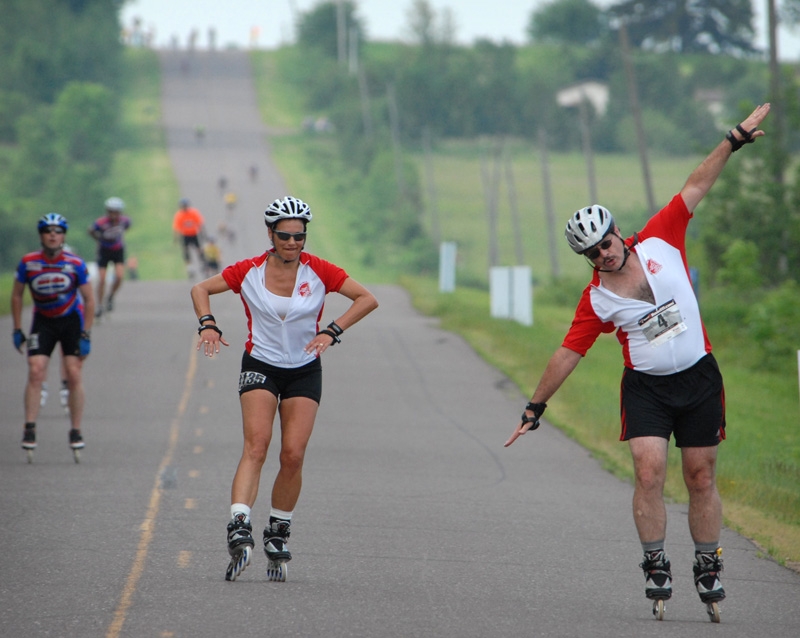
<point>60,68</point>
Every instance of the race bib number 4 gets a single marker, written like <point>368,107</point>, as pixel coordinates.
<point>663,324</point>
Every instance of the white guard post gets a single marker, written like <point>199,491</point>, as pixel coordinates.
<point>447,266</point>
<point>510,294</point>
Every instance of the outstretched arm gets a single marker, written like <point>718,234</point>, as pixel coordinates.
<point>703,177</point>
<point>560,366</point>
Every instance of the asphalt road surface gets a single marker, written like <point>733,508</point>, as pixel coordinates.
<point>414,520</point>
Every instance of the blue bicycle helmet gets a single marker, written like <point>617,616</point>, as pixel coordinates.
<point>52,219</point>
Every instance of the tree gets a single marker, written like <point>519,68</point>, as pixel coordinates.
<point>684,26</point>
<point>317,29</point>
<point>84,120</point>
<point>569,21</point>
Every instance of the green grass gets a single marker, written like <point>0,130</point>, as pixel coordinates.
<point>462,210</point>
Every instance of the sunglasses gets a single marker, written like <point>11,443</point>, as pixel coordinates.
<point>595,252</point>
<point>54,229</point>
<point>284,236</point>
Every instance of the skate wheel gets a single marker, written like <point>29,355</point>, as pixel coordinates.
<point>276,572</point>
<point>713,612</point>
<point>77,455</point>
<point>238,564</point>
<point>658,609</point>
<point>30,455</point>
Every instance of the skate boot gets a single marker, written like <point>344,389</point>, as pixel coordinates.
<point>275,536</point>
<point>707,568</point>
<point>76,444</point>
<point>44,395</point>
<point>110,304</point>
<point>658,580</point>
<point>240,545</point>
<point>63,396</point>
<point>29,440</point>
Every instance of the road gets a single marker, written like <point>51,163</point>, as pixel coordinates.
<point>414,520</point>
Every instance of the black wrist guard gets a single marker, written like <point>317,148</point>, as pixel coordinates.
<point>335,329</point>
<point>747,138</point>
<point>331,334</point>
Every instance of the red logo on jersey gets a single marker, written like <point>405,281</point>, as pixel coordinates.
<point>304,289</point>
<point>653,266</point>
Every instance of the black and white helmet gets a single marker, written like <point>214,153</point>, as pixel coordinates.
<point>587,227</point>
<point>287,208</point>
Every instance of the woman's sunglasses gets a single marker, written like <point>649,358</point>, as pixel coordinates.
<point>284,236</point>
<point>595,252</point>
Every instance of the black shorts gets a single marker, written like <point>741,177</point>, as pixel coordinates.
<point>46,332</point>
<point>284,383</point>
<point>109,255</point>
<point>690,404</point>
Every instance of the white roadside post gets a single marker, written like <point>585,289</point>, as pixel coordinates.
<point>447,266</point>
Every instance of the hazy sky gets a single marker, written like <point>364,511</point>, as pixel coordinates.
<point>233,20</point>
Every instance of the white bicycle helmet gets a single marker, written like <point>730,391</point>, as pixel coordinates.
<point>115,204</point>
<point>52,219</point>
<point>287,208</point>
<point>587,227</point>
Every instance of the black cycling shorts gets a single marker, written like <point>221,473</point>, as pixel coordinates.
<point>109,255</point>
<point>689,404</point>
<point>284,383</point>
<point>46,332</point>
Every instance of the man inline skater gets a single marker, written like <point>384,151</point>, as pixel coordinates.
<point>671,383</point>
<point>63,310</point>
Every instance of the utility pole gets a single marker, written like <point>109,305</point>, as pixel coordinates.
<point>549,213</point>
<point>394,125</point>
<point>637,115</point>
<point>430,183</point>
<point>776,137</point>
<point>512,203</point>
<point>341,33</point>
<point>586,138</point>
<point>778,156</point>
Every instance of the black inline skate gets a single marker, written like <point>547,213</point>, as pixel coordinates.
<point>658,580</point>
<point>275,536</point>
<point>240,545</point>
<point>707,568</point>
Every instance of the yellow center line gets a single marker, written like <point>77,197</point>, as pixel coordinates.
<point>148,524</point>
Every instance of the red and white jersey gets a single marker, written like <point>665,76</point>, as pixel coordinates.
<point>272,339</point>
<point>661,338</point>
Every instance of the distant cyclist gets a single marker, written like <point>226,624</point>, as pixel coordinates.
<point>188,224</point>
<point>63,311</point>
<point>109,233</point>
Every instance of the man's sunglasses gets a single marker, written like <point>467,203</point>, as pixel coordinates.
<point>594,253</point>
<point>284,236</point>
<point>53,229</point>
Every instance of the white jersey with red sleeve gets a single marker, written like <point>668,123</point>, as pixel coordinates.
<point>276,340</point>
<point>661,338</point>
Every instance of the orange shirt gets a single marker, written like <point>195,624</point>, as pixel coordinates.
<point>187,222</point>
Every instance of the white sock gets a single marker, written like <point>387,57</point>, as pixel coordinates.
<point>238,508</point>
<point>275,513</point>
